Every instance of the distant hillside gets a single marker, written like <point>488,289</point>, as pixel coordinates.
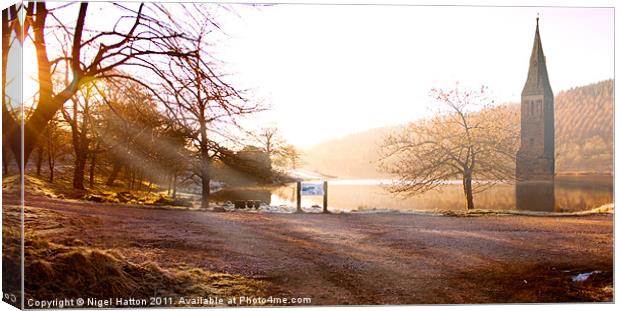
<point>584,138</point>
<point>584,122</point>
<point>350,156</point>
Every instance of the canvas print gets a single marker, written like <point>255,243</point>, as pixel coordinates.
<point>217,154</point>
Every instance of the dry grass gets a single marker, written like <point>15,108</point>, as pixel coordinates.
<point>62,188</point>
<point>11,249</point>
<point>57,265</point>
<point>10,184</point>
<point>605,209</point>
<point>61,271</point>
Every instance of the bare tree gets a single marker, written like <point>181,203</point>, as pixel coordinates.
<point>470,139</point>
<point>78,119</point>
<point>140,32</point>
<point>56,139</point>
<point>198,99</point>
<point>94,151</point>
<point>271,141</point>
<point>290,156</point>
<point>128,128</point>
<point>40,149</point>
<point>174,156</point>
<point>11,39</point>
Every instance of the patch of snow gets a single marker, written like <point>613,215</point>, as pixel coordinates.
<point>229,207</point>
<point>287,209</point>
<point>607,208</point>
<point>582,277</point>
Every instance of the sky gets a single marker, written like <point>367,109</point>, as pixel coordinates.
<point>327,71</point>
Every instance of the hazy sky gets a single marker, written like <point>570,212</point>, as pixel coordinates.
<point>330,70</point>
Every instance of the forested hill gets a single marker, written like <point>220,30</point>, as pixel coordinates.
<point>584,138</point>
<point>584,123</point>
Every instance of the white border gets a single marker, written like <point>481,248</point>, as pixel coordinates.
<point>558,3</point>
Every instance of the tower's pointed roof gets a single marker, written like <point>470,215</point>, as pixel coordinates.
<point>537,77</point>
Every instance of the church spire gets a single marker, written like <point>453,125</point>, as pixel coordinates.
<point>536,155</point>
<point>537,77</point>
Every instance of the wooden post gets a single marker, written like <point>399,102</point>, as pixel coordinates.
<point>325,196</point>
<point>299,197</point>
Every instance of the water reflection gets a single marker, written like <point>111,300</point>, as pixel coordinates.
<point>262,195</point>
<point>535,196</point>
<point>567,194</point>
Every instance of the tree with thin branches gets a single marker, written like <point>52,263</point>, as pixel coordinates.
<point>138,37</point>
<point>198,99</point>
<point>270,140</point>
<point>470,138</point>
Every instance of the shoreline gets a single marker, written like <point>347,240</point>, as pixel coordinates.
<point>606,209</point>
<point>107,198</point>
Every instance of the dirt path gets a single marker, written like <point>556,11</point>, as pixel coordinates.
<point>355,258</point>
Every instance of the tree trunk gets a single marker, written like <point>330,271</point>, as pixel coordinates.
<point>149,187</point>
<point>116,168</point>
<point>205,162</point>
<point>139,178</point>
<point>48,103</point>
<point>80,142</point>
<point>468,190</point>
<point>206,183</point>
<point>91,173</point>
<point>51,163</point>
<point>132,182</point>
<point>14,141</point>
<point>39,160</point>
<point>174,186</point>
<point>5,162</point>
<point>78,171</point>
<point>11,128</point>
<point>169,178</point>
<point>8,122</point>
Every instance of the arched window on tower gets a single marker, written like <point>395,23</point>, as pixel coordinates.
<point>526,107</point>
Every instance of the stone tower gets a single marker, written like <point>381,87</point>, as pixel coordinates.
<point>536,155</point>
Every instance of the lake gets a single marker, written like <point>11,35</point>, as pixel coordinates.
<point>567,194</point>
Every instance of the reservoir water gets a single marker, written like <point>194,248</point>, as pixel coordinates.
<point>566,194</point>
